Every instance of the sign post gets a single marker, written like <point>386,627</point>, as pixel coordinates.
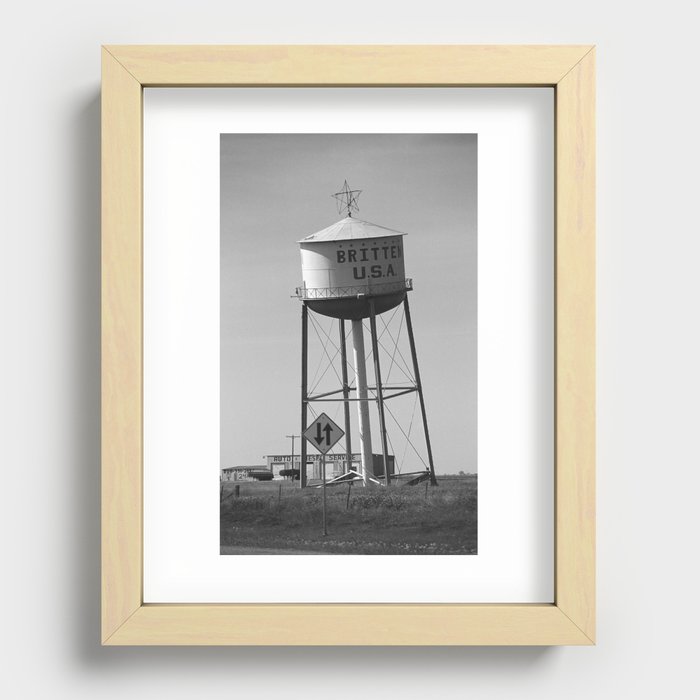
<point>323,476</point>
<point>323,433</point>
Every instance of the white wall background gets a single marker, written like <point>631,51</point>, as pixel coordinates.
<point>649,345</point>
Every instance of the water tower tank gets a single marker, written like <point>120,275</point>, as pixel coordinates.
<point>349,262</point>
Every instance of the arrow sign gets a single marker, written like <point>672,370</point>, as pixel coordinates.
<point>320,437</point>
<point>323,433</point>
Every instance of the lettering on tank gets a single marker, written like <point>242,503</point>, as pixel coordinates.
<point>380,258</point>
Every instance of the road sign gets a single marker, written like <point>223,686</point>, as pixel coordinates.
<point>323,433</point>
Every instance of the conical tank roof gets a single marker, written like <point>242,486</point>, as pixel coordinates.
<point>349,229</point>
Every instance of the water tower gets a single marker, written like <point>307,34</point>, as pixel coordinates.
<point>354,270</point>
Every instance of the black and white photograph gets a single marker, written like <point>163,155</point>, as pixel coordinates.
<point>348,344</point>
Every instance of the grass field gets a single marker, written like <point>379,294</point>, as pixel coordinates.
<point>398,520</point>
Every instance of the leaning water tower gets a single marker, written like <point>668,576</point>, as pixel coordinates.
<point>354,270</point>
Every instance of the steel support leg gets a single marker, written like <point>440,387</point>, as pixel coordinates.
<point>380,393</point>
<point>304,389</point>
<point>346,396</point>
<point>419,386</point>
<point>364,428</point>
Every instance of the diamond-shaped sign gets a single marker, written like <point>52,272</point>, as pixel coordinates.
<point>323,433</point>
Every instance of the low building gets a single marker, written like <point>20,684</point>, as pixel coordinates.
<point>336,464</point>
<point>247,473</point>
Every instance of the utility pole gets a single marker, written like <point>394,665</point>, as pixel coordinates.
<point>293,436</point>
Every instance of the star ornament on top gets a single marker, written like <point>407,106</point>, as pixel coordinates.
<point>347,199</point>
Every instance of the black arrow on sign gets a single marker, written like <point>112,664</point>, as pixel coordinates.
<point>319,438</point>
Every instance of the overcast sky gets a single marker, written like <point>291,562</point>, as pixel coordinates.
<point>276,189</point>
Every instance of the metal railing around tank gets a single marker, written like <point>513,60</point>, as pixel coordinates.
<point>354,291</point>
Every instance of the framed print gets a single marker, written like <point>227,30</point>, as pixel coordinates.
<point>223,333</point>
<point>348,345</point>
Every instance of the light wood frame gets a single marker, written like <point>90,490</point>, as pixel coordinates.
<point>126,620</point>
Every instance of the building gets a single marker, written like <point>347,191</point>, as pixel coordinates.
<point>336,464</point>
<point>247,473</point>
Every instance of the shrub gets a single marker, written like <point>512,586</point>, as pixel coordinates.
<point>290,472</point>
